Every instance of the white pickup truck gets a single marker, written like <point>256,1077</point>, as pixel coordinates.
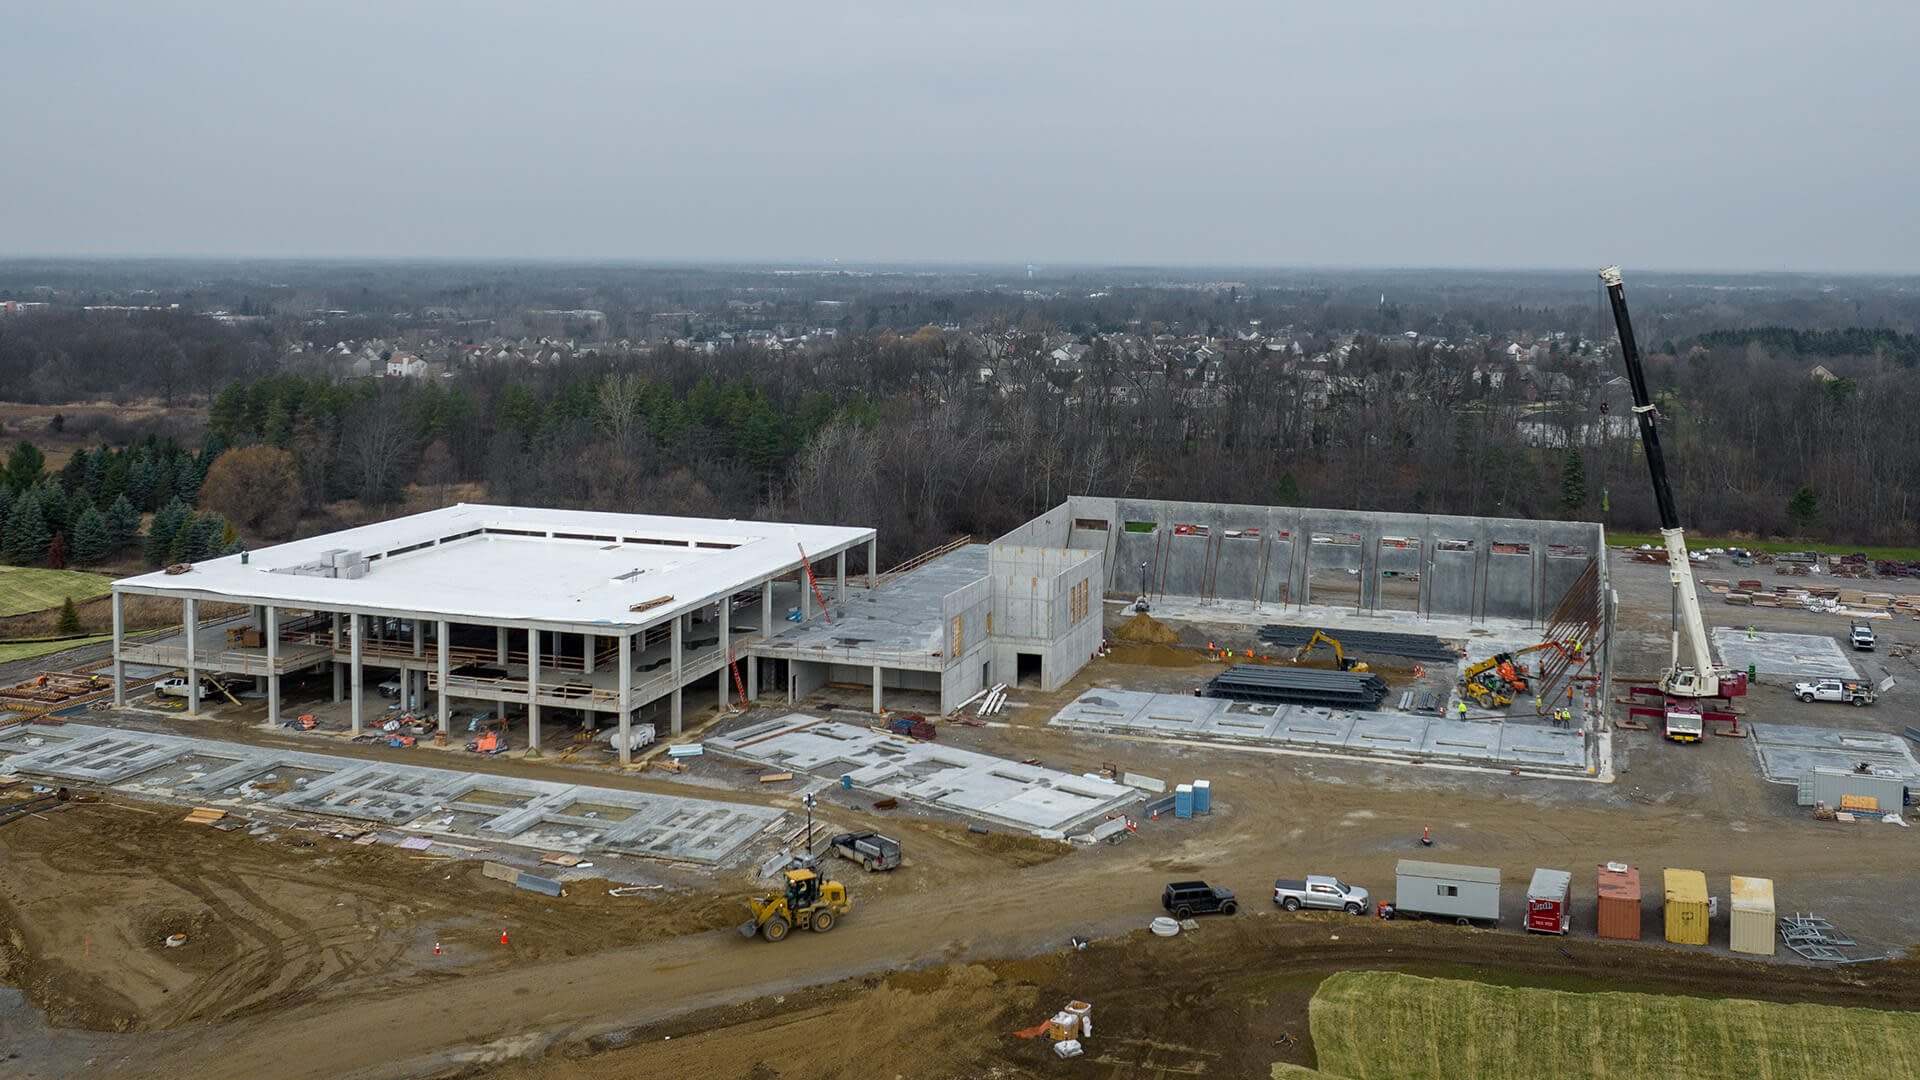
<point>1853,693</point>
<point>1861,635</point>
<point>1320,891</point>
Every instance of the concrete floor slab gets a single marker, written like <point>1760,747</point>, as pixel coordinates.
<point>1787,751</point>
<point>507,809</point>
<point>1783,656</point>
<point>902,616</point>
<point>1513,742</point>
<point>963,781</point>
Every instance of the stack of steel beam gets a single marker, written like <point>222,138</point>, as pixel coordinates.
<point>1412,646</point>
<point>1299,686</point>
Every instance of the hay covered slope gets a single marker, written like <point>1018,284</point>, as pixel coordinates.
<point>1387,1026</point>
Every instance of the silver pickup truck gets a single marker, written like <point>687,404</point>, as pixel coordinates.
<point>1320,891</point>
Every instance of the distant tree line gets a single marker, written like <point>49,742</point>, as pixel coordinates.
<point>1879,342</point>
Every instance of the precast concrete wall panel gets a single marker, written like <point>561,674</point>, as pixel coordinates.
<point>1470,566</point>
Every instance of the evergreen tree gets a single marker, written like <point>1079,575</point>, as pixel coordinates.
<point>1803,510</point>
<point>27,535</point>
<point>57,552</point>
<point>69,617</point>
<point>96,475</point>
<point>26,466</point>
<point>139,485</point>
<point>1573,481</point>
<point>186,479</point>
<point>6,508</point>
<point>161,531</point>
<point>181,548</point>
<point>123,523</point>
<point>53,506</point>
<point>1287,491</point>
<point>208,537</point>
<point>73,475</point>
<point>92,538</point>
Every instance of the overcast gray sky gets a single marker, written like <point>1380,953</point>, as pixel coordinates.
<point>1735,134</point>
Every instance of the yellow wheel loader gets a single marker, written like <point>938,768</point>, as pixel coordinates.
<point>808,904</point>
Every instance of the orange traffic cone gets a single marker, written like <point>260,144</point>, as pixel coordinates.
<point>436,948</point>
<point>1426,840</point>
<point>503,937</point>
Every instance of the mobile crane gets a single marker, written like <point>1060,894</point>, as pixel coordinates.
<point>1697,676</point>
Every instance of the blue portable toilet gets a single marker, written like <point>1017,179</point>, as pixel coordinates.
<point>846,782</point>
<point>1203,796</point>
<point>1183,801</point>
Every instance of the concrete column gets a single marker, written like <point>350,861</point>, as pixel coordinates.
<point>500,657</point>
<point>589,645</point>
<point>753,677</point>
<point>676,646</point>
<point>190,622</point>
<point>419,636</point>
<point>877,673</point>
<point>766,608</point>
<point>533,689</point>
<point>726,645</point>
<point>873,562</point>
<point>445,665</point>
<point>273,665</point>
<point>339,673</point>
<point>806,593</point>
<point>840,576</point>
<point>119,665</point>
<point>626,699</point>
<point>356,635</point>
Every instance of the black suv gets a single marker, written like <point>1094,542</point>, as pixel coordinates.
<point>1188,898</point>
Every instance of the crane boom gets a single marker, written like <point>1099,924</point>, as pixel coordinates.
<point>1701,678</point>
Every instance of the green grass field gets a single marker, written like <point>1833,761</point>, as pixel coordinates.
<point>1386,1026</point>
<point>27,650</point>
<point>23,589</point>
<point>1695,543</point>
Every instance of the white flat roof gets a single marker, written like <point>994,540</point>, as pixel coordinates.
<point>516,564</point>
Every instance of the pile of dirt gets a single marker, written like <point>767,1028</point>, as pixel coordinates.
<point>1144,629</point>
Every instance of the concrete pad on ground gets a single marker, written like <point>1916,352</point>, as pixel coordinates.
<point>1783,656</point>
<point>487,807</point>
<point>1787,751</point>
<point>963,781</point>
<point>1517,742</point>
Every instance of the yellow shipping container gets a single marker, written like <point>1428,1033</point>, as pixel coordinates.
<point>1750,922</point>
<point>1686,906</point>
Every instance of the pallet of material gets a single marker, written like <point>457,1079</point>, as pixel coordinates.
<point>1738,598</point>
<point>774,778</point>
<point>1763,600</point>
<point>666,765</point>
<point>561,858</point>
<point>204,815</point>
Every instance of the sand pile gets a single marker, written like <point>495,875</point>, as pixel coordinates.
<point>1144,629</point>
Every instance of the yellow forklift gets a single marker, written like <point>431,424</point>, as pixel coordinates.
<point>808,904</point>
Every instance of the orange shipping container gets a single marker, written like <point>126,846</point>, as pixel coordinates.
<point>1620,903</point>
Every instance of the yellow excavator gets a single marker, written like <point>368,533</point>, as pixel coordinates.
<point>808,904</point>
<point>1339,655</point>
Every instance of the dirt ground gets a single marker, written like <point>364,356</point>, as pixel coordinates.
<point>317,961</point>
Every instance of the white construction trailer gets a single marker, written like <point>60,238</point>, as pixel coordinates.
<point>1465,894</point>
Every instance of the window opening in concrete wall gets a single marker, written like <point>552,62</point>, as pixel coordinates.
<point>1189,530</point>
<point>410,547</point>
<point>1338,539</point>
<point>582,536</point>
<point>654,541</point>
<point>1090,523</point>
<point>1566,551</point>
<point>1141,526</point>
<point>1453,545</point>
<point>986,672</point>
<point>492,530</point>
<point>1078,600</point>
<point>1399,574</point>
<point>1242,534</point>
<point>716,545</point>
<point>1512,547</point>
<point>1026,669</point>
<point>957,647</point>
<point>460,536</point>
